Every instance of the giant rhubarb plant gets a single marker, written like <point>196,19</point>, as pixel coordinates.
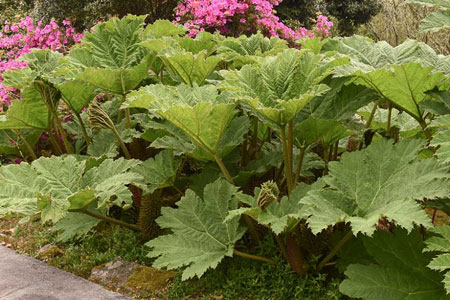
<point>200,236</point>
<point>401,75</point>
<point>398,270</point>
<point>365,186</point>
<point>201,113</point>
<point>277,88</point>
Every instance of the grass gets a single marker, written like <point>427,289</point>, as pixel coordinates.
<point>234,279</point>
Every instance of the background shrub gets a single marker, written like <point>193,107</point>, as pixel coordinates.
<point>84,13</point>
<point>349,14</point>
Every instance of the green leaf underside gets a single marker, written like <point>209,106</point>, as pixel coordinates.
<point>51,185</point>
<point>200,238</point>
<point>200,112</point>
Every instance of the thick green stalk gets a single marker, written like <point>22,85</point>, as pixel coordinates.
<point>121,143</point>
<point>389,120</point>
<point>254,141</point>
<point>300,157</point>
<point>335,250</point>
<point>336,150</point>
<point>62,132</point>
<point>287,165</point>
<point>54,143</point>
<point>426,130</point>
<point>127,112</point>
<point>27,145</point>
<point>83,128</point>
<point>291,148</point>
<point>223,169</point>
<point>112,220</point>
<point>254,257</point>
<point>372,114</point>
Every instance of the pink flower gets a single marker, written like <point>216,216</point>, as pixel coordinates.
<point>252,15</point>
<point>19,39</point>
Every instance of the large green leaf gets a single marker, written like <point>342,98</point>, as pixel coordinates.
<point>112,58</point>
<point>440,243</point>
<point>11,144</point>
<point>408,125</point>
<point>34,82</point>
<point>279,216</point>
<point>278,87</point>
<point>190,68</point>
<point>56,183</point>
<point>244,50</point>
<point>110,181</point>
<point>367,56</point>
<point>204,41</point>
<point>325,132</point>
<point>104,143</point>
<point>119,81</point>
<point>77,94</point>
<point>400,272</point>
<point>384,180</point>
<point>342,101</point>
<point>442,140</point>
<point>432,3</point>
<point>200,237</point>
<point>200,112</point>
<point>400,74</point>
<point>437,20</point>
<point>162,28</point>
<point>160,171</point>
<point>74,225</point>
<point>19,186</point>
<point>404,85</point>
<point>114,44</point>
<point>30,112</point>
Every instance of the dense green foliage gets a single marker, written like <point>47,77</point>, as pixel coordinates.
<point>350,14</point>
<point>330,152</point>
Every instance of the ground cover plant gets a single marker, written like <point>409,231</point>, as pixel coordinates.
<point>210,147</point>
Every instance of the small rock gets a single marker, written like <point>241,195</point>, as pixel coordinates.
<point>149,279</point>
<point>49,251</point>
<point>121,274</point>
<point>113,274</point>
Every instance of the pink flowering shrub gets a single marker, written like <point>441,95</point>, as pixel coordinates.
<point>20,38</point>
<point>236,17</point>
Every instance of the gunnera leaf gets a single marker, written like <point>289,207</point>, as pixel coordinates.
<point>384,180</point>
<point>400,272</point>
<point>280,216</point>
<point>200,112</point>
<point>440,243</point>
<point>49,184</point>
<point>278,87</point>
<point>160,171</point>
<point>200,236</point>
